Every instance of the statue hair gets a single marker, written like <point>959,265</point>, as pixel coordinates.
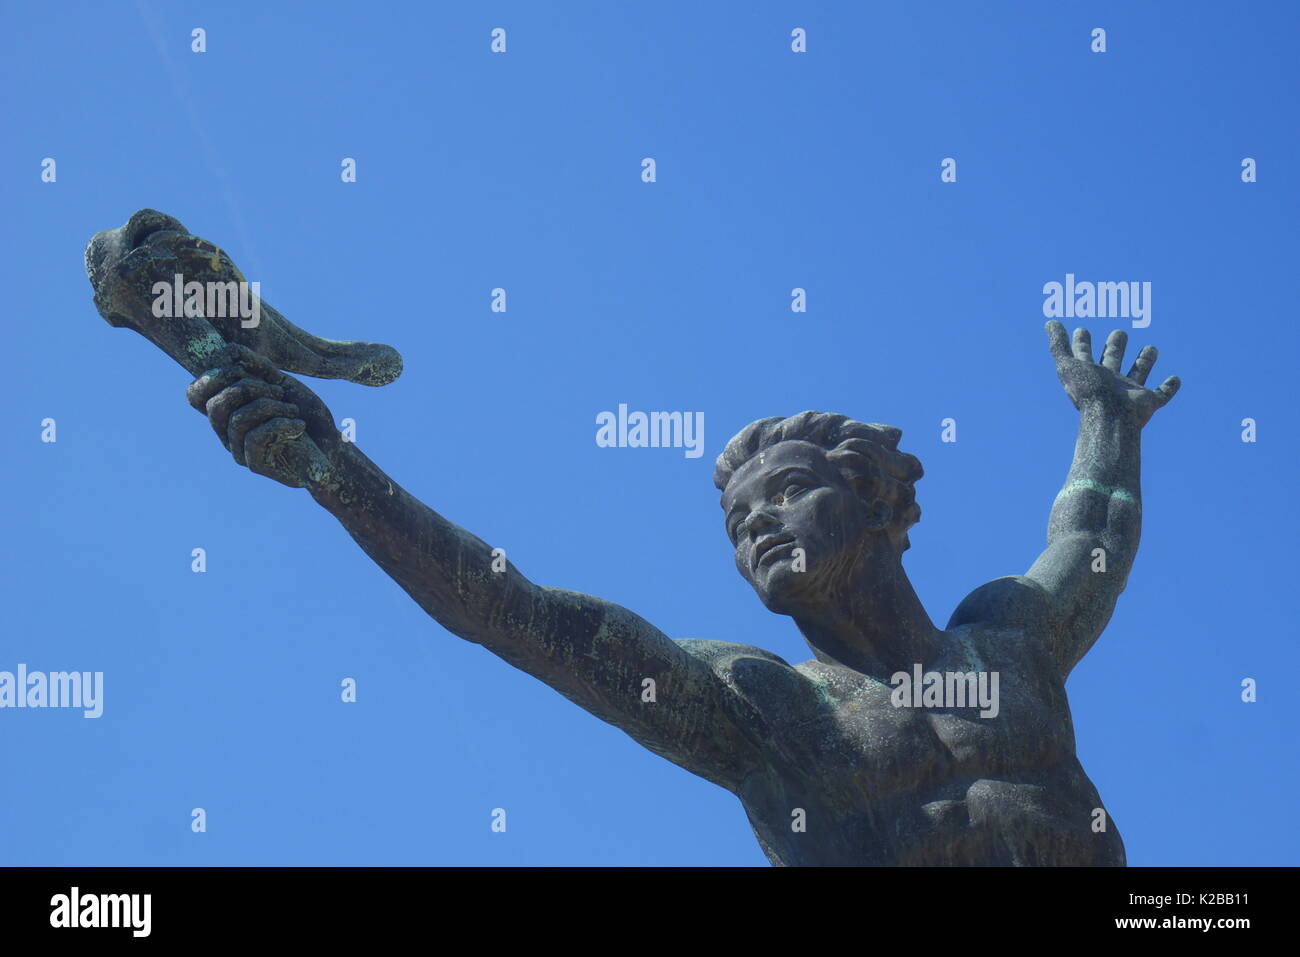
<point>866,454</point>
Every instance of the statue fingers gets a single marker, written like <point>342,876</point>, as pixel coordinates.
<point>203,389</point>
<point>222,406</point>
<point>1169,388</point>
<point>1113,354</point>
<point>1058,341</point>
<point>319,420</point>
<point>1082,345</point>
<point>278,449</point>
<point>1142,365</point>
<point>229,365</point>
<point>251,416</point>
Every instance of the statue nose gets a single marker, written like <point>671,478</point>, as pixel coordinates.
<point>761,520</point>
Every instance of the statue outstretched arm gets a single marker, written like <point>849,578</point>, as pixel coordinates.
<point>594,652</point>
<point>1096,520</point>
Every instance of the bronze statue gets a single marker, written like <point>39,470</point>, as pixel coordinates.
<point>832,762</point>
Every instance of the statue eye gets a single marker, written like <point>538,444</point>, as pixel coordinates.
<point>734,529</point>
<point>792,490</point>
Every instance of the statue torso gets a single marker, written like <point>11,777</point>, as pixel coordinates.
<point>871,783</point>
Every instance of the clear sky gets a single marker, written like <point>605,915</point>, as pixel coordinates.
<point>522,171</point>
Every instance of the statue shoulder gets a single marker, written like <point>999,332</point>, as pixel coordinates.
<point>1011,602</point>
<point>765,680</point>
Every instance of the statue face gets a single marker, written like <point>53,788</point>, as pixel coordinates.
<point>786,498</point>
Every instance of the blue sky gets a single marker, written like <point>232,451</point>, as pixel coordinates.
<point>775,170</point>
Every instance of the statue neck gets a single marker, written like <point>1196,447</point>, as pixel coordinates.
<point>876,626</point>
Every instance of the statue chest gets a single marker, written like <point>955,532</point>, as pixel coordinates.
<point>857,775</point>
<point>954,720</point>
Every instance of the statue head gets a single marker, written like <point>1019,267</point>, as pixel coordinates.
<point>809,498</point>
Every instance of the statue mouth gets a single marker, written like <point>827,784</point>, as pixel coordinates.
<point>769,548</point>
<point>126,263</point>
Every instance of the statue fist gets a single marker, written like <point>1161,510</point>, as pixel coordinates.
<point>268,420</point>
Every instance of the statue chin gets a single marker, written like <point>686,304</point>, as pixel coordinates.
<point>783,590</point>
<point>786,590</point>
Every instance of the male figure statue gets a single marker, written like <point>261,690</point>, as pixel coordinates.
<point>817,506</point>
<point>832,764</point>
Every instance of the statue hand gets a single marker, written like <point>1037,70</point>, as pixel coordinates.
<point>268,420</point>
<point>1087,382</point>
